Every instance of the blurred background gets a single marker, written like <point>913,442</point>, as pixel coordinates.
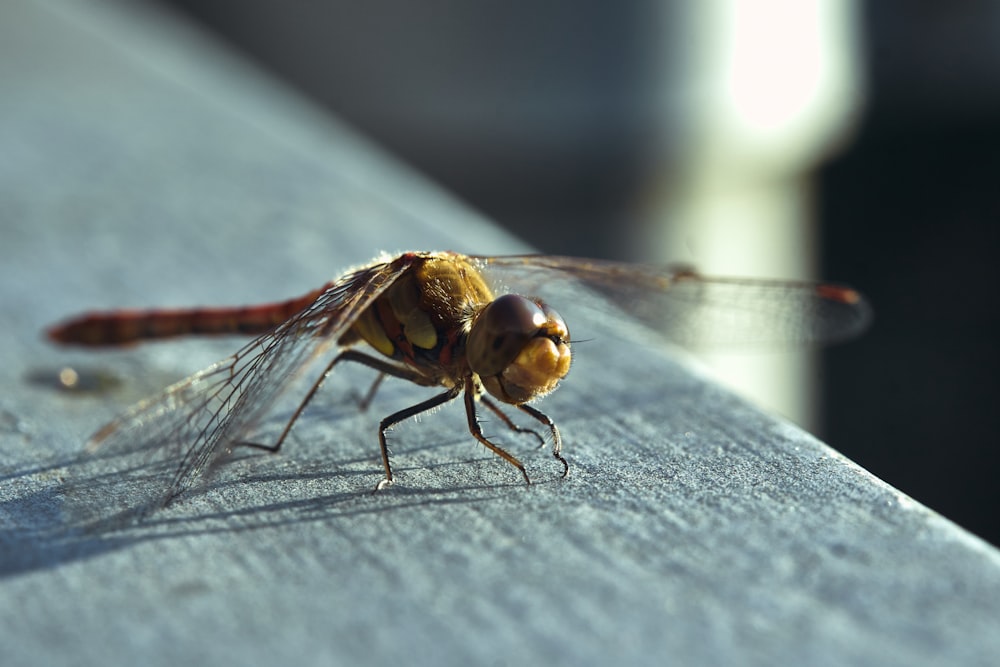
<point>853,142</point>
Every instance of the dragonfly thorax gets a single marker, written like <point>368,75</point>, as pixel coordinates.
<point>519,348</point>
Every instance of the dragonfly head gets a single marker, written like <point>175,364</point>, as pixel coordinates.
<point>519,348</point>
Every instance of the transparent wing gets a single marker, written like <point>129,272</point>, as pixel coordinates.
<point>163,445</point>
<point>683,306</point>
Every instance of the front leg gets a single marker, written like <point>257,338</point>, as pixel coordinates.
<point>477,431</point>
<point>556,438</point>
<point>495,409</point>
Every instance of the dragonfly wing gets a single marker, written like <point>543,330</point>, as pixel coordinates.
<point>682,306</point>
<point>167,442</point>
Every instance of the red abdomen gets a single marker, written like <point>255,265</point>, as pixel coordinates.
<point>124,327</point>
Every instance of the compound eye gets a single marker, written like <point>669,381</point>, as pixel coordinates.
<point>500,333</point>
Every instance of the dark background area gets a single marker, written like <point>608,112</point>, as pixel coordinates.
<point>911,212</point>
<point>908,209</point>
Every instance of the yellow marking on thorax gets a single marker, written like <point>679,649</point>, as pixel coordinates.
<point>368,327</point>
<point>405,301</point>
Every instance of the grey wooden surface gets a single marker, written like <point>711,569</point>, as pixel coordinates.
<point>141,166</point>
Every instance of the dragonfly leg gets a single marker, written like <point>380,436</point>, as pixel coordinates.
<point>477,431</point>
<point>366,400</point>
<point>384,368</point>
<point>495,409</point>
<point>556,438</point>
<point>397,417</point>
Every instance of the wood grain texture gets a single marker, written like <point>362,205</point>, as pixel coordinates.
<point>692,529</point>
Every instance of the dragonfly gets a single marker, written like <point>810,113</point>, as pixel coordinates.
<point>473,326</point>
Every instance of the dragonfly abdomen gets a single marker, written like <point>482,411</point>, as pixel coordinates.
<point>125,327</point>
